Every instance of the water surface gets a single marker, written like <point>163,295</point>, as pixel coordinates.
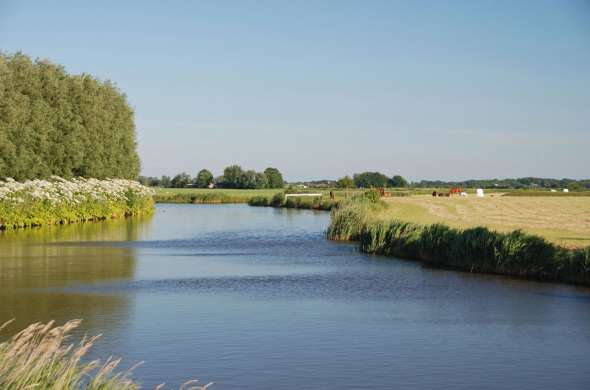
<point>256,298</point>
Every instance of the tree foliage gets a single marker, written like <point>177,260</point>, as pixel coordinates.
<point>203,179</point>
<point>398,181</point>
<point>274,178</point>
<point>519,183</point>
<point>181,180</point>
<point>54,123</point>
<point>345,182</point>
<point>370,180</point>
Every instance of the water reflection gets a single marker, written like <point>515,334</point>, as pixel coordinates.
<point>35,263</point>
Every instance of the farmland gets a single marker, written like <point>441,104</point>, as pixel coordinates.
<point>563,220</point>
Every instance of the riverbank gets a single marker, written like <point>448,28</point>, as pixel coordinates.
<point>59,201</point>
<point>473,249</point>
<point>253,197</point>
<point>561,220</point>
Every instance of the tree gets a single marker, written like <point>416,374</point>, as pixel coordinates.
<point>181,180</point>
<point>55,123</point>
<point>370,180</point>
<point>274,178</point>
<point>345,182</point>
<point>203,179</point>
<point>165,181</point>
<point>398,181</point>
<point>233,177</point>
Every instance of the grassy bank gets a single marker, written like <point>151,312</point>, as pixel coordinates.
<point>476,249</point>
<point>307,203</point>
<point>59,201</point>
<point>562,220</point>
<point>205,195</point>
<point>42,356</point>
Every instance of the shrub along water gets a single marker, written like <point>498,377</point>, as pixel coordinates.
<point>476,250</point>
<point>58,201</point>
<point>279,200</point>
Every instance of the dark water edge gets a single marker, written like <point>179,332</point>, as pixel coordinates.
<point>257,298</point>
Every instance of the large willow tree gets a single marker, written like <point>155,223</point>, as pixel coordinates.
<point>54,123</point>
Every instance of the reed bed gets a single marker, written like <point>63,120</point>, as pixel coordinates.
<point>59,201</point>
<point>42,357</point>
<point>477,249</point>
<point>307,203</point>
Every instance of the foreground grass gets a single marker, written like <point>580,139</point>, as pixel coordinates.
<point>564,221</point>
<point>474,249</point>
<point>42,357</point>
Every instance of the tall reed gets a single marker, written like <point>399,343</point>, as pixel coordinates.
<point>42,357</point>
<point>476,250</point>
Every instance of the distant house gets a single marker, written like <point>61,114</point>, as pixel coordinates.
<point>566,190</point>
<point>211,185</point>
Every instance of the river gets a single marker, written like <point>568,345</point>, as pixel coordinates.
<point>257,298</point>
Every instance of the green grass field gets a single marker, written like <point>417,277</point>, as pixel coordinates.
<point>226,195</point>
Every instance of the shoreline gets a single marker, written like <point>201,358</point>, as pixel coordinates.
<point>476,249</point>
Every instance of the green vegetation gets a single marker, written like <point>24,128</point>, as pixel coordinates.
<point>370,180</point>
<point>203,179</point>
<point>205,195</point>
<point>42,202</point>
<point>55,123</point>
<point>476,249</point>
<point>345,182</point>
<point>234,177</point>
<point>309,203</point>
<point>520,183</point>
<point>43,357</point>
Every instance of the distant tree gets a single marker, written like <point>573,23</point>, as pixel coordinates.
<point>370,180</point>
<point>247,180</point>
<point>274,178</point>
<point>165,181</point>
<point>203,179</point>
<point>398,181</point>
<point>181,180</point>
<point>233,177</point>
<point>261,180</point>
<point>345,182</point>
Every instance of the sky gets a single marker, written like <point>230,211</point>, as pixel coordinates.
<point>319,89</point>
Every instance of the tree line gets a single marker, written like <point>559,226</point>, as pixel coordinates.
<point>233,177</point>
<point>371,180</point>
<point>56,123</point>
<point>518,183</point>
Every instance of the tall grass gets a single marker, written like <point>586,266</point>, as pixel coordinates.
<point>42,357</point>
<point>198,198</point>
<point>279,200</point>
<point>477,249</point>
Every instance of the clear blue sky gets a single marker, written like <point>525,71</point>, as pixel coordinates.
<point>319,89</point>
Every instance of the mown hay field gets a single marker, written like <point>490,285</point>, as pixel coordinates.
<point>562,220</point>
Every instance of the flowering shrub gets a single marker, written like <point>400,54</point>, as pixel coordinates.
<point>54,201</point>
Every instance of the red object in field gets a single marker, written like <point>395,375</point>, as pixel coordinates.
<point>455,190</point>
<point>383,193</point>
